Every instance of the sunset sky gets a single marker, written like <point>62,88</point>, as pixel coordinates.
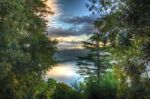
<point>71,24</point>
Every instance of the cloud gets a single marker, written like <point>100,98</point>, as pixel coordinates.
<point>55,7</point>
<point>88,29</point>
<point>79,20</point>
<point>78,25</point>
<point>72,31</point>
<point>59,31</point>
<point>71,42</point>
<point>69,45</point>
<point>71,39</point>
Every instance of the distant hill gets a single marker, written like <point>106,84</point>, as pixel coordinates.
<point>69,54</point>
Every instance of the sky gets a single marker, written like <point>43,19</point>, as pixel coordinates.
<point>71,23</point>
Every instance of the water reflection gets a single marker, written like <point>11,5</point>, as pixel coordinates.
<point>65,72</point>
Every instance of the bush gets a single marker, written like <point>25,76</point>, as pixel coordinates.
<point>65,92</point>
<point>101,88</point>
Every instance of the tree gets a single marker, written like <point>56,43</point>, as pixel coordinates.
<point>25,51</point>
<point>97,59</point>
<point>45,90</point>
<point>129,40</point>
<point>65,92</point>
<point>106,88</point>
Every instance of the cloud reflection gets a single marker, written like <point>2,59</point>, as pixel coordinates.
<point>64,72</point>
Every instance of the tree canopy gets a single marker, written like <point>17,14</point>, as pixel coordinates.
<point>25,51</point>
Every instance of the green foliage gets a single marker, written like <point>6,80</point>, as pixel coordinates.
<point>45,90</point>
<point>25,51</point>
<point>106,88</point>
<point>65,92</point>
<point>126,24</point>
<point>97,60</point>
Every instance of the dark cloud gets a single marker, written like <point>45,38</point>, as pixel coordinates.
<point>88,29</point>
<point>79,20</point>
<point>73,31</point>
<point>53,31</point>
<point>80,25</point>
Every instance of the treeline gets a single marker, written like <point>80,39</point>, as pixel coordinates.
<point>90,89</point>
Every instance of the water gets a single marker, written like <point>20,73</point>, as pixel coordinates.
<point>66,69</point>
<point>65,72</point>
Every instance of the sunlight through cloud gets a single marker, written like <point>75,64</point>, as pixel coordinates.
<point>55,7</point>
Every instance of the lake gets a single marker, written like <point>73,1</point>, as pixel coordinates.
<point>65,72</point>
<point>66,69</point>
